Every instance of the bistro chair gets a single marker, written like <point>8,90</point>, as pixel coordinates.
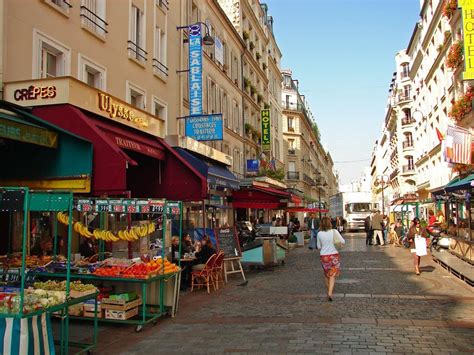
<point>204,277</point>
<point>219,269</point>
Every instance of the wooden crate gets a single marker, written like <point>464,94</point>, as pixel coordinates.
<point>89,307</point>
<point>100,314</point>
<point>121,315</point>
<point>120,305</point>
<point>75,310</point>
<point>77,294</point>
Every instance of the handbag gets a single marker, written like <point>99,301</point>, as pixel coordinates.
<point>335,240</point>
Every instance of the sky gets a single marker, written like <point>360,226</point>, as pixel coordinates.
<point>343,54</point>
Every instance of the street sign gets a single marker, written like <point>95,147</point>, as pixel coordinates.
<point>195,70</point>
<point>205,127</point>
<point>252,165</point>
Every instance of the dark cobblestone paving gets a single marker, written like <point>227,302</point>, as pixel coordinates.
<point>381,306</point>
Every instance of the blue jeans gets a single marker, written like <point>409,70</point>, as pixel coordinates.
<point>312,241</point>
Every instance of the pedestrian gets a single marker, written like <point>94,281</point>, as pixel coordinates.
<point>440,218</point>
<point>369,232</point>
<point>313,226</point>
<point>385,228</point>
<point>417,236</point>
<point>377,226</point>
<point>431,218</point>
<point>329,256</point>
<point>339,224</point>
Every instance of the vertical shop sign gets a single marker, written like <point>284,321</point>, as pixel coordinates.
<point>467,7</point>
<point>195,70</point>
<point>266,139</point>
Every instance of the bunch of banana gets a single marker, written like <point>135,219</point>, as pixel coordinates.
<point>63,218</point>
<point>129,236</point>
<point>107,236</point>
<point>82,230</point>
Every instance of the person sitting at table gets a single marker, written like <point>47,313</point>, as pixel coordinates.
<point>175,250</point>
<point>187,246</point>
<point>204,253</point>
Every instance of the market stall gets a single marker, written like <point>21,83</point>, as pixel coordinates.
<point>26,306</point>
<point>132,271</point>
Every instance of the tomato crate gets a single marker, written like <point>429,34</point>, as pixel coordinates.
<point>120,305</point>
<point>121,315</point>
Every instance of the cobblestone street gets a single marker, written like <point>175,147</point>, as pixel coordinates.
<point>380,306</point>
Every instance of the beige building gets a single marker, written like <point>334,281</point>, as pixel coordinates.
<point>309,167</point>
<point>119,47</point>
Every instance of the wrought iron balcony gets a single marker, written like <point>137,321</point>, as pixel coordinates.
<point>407,121</point>
<point>408,169</point>
<point>308,179</point>
<point>408,144</point>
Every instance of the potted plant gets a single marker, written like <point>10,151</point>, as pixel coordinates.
<point>455,55</point>
<point>258,55</point>
<point>252,45</point>
<point>246,82</point>
<point>248,128</point>
<point>245,35</point>
<point>259,98</point>
<point>253,90</point>
<point>450,7</point>
<point>266,105</point>
<point>292,240</point>
<point>264,66</point>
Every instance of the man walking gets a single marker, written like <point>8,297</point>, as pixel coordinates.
<point>368,229</point>
<point>313,226</point>
<point>377,226</point>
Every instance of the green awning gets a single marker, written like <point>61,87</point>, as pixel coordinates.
<point>36,153</point>
<point>459,184</point>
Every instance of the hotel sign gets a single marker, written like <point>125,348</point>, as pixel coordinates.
<point>266,135</point>
<point>467,8</point>
<point>195,70</point>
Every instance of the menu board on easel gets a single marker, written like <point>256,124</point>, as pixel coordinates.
<point>227,242</point>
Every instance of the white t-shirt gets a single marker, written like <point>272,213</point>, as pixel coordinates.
<point>325,242</point>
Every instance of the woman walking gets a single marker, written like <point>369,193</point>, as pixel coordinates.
<point>330,259</point>
<point>415,233</point>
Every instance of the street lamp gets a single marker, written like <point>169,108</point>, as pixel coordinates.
<point>207,40</point>
<point>319,186</point>
<point>383,181</point>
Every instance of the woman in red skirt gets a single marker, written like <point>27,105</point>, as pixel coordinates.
<point>330,259</point>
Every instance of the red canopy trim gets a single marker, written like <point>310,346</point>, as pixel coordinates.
<point>304,209</point>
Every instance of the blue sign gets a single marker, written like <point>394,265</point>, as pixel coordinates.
<point>205,127</point>
<point>252,165</point>
<point>195,70</point>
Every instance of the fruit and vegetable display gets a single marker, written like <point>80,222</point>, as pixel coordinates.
<point>139,270</point>
<point>113,271</point>
<point>33,300</point>
<point>51,285</point>
<point>31,261</point>
<point>134,233</point>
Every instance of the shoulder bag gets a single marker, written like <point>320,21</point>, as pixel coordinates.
<point>335,240</point>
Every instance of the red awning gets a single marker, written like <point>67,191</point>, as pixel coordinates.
<point>260,197</point>
<point>115,171</point>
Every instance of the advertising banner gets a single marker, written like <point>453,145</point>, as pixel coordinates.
<point>266,135</point>
<point>205,127</point>
<point>195,70</point>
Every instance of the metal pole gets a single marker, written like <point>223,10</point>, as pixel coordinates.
<point>319,202</point>
<point>383,201</point>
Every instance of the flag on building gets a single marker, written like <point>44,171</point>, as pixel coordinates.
<point>457,147</point>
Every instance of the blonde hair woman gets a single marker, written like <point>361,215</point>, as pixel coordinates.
<point>329,256</point>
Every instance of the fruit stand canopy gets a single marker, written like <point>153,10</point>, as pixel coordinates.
<point>304,209</point>
<point>260,197</point>
<point>40,154</point>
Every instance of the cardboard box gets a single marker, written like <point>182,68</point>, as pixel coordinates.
<point>120,315</point>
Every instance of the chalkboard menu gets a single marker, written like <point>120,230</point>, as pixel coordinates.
<point>227,242</point>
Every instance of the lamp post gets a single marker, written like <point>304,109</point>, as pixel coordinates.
<point>382,180</point>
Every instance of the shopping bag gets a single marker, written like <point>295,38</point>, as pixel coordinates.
<point>420,246</point>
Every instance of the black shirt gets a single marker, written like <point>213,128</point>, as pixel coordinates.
<point>204,254</point>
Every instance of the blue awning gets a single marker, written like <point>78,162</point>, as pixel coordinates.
<point>217,175</point>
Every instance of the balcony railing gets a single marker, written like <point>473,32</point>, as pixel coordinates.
<point>93,22</point>
<point>293,106</point>
<point>403,98</point>
<point>136,51</point>
<point>293,175</point>
<point>408,168</point>
<point>159,67</point>
<point>407,121</point>
<point>408,144</point>
<point>308,180</point>
<point>291,151</point>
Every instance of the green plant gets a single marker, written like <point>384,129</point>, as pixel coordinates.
<point>259,98</point>
<point>253,90</point>
<point>252,45</point>
<point>278,174</point>
<point>266,105</point>
<point>292,239</point>
<point>248,128</point>
<point>264,66</point>
<point>258,55</point>
<point>455,55</point>
<point>463,106</point>
<point>440,47</point>
<point>449,8</point>
<point>245,35</point>
<point>246,82</point>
